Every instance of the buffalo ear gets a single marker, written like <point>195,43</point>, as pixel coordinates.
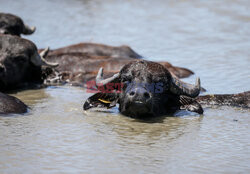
<point>190,104</point>
<point>107,100</point>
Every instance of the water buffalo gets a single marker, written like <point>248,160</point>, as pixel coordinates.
<point>11,24</point>
<point>98,50</point>
<point>146,89</point>
<point>20,62</point>
<point>10,104</point>
<point>238,100</point>
<point>78,68</point>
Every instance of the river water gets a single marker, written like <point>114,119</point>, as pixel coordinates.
<point>210,37</point>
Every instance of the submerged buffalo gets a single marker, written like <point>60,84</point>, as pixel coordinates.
<point>11,105</point>
<point>168,94</point>
<point>98,50</point>
<point>78,68</point>
<point>20,63</point>
<point>14,25</point>
<point>238,100</point>
<point>146,89</point>
<point>20,66</point>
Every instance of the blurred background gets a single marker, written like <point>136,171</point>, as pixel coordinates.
<point>212,38</point>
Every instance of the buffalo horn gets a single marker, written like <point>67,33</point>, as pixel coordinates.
<point>39,60</point>
<point>28,30</point>
<point>102,82</point>
<point>182,88</point>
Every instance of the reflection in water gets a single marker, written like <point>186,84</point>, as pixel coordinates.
<point>56,136</point>
<point>31,97</point>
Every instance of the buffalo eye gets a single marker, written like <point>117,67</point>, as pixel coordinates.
<point>162,81</point>
<point>126,78</point>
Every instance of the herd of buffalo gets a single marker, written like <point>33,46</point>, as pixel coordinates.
<point>141,88</point>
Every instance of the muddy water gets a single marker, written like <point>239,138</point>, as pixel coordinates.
<point>56,136</point>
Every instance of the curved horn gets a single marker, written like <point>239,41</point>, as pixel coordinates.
<point>182,88</point>
<point>102,82</point>
<point>39,60</point>
<point>28,30</point>
<point>44,53</point>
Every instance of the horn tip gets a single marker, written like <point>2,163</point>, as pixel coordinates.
<point>28,30</point>
<point>33,29</point>
<point>99,74</point>
<point>198,84</point>
<point>198,81</point>
<point>47,49</point>
<point>45,52</point>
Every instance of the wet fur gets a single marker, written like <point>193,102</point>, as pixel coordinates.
<point>11,24</point>
<point>145,72</point>
<point>238,100</point>
<point>10,104</point>
<point>15,58</point>
<point>98,50</point>
<point>78,68</point>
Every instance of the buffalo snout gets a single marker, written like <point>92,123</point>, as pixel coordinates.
<point>139,94</point>
<point>137,101</point>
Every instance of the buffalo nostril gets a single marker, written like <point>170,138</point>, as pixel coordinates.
<point>146,95</point>
<point>132,93</point>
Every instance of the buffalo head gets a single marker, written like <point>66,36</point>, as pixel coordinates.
<point>19,62</point>
<point>11,24</point>
<point>147,89</point>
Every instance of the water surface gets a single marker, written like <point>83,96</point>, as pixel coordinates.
<point>56,136</point>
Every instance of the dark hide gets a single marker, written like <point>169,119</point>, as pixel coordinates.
<point>13,25</point>
<point>98,50</point>
<point>16,68</point>
<point>9,104</point>
<point>238,100</point>
<point>78,68</point>
<point>135,98</point>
